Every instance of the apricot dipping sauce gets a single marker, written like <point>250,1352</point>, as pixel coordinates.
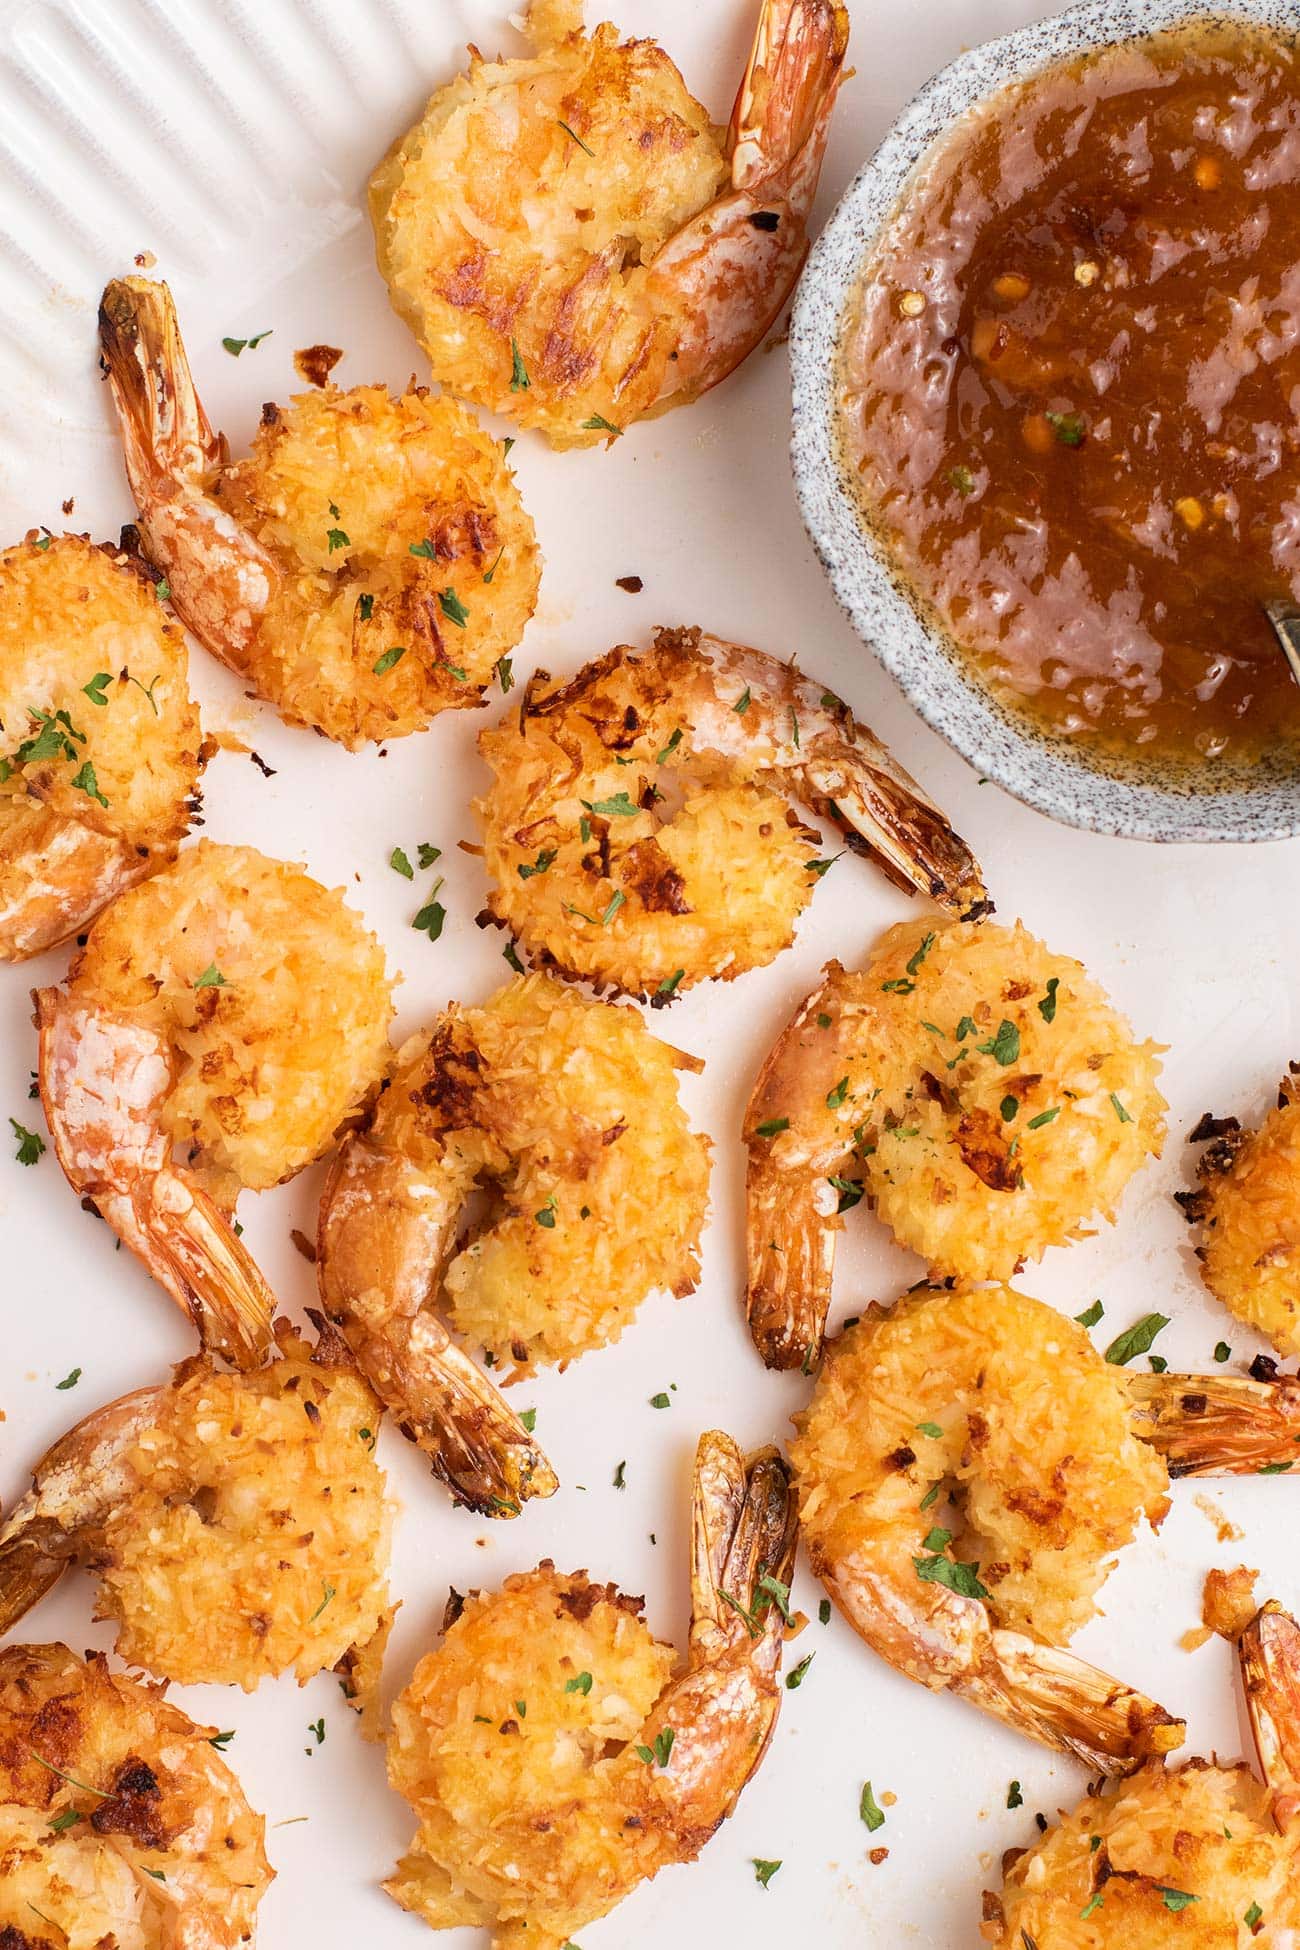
<point>1070,390</point>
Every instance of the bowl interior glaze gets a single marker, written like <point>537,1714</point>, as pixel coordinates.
<point>1071,783</point>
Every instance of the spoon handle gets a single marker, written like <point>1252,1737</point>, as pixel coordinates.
<point>1285,618</point>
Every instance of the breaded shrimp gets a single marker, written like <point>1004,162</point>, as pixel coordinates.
<point>980,1091</point>
<point>568,1108</point>
<point>221,1023</point>
<point>966,1468</point>
<point>120,1824</point>
<point>364,568</point>
<point>552,1758</point>
<point>638,830</point>
<point>237,1522</point>
<point>571,240</point>
<point>1248,1209</point>
<point>1199,1857</point>
<point>100,751</point>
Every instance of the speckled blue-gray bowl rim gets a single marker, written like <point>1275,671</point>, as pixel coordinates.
<point>1050,774</point>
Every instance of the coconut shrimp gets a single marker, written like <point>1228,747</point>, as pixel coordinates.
<point>1198,1857</point>
<point>366,566</point>
<point>569,1108</point>
<point>237,1521</point>
<point>231,1012</point>
<point>552,1753</point>
<point>572,241</point>
<point>966,1468</point>
<point>638,831</point>
<point>119,1821</point>
<point>980,1091</point>
<point>1248,1210</point>
<point>101,747</point>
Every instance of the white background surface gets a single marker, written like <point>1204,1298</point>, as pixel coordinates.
<point>241,164</point>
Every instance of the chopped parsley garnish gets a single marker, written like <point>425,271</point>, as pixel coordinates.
<point>965,1028</point>
<point>824,1612</point>
<point>1136,1339</point>
<point>617,807</point>
<point>544,860</point>
<point>365,607</point>
<point>670,747</point>
<point>575,137</point>
<point>931,1496</point>
<point>235,346</point>
<point>1004,1048</point>
<point>54,738</point>
<point>850,1191</point>
<point>505,671</point>
<point>931,1429</point>
<point>1093,1904</point>
<point>927,942</point>
<point>663,1746</point>
<point>1010,1108</point>
<point>794,1679</point>
<point>772,1128</point>
<point>897,985</point>
<point>620,1476</point>
<point>148,689</point>
<point>424,548</point>
<point>835,1097</point>
<point>86,782</point>
<point>871,1814</point>
<point>963,480</point>
<point>1015,1799</point>
<point>1222,1352</point>
<point>389,658</point>
<point>221,1740</point>
<point>68,1818</point>
<point>822,867</point>
<point>742,703</point>
<point>398,861</point>
<point>581,1684</point>
<point>1044,1117</point>
<point>669,984</point>
<point>599,424</point>
<point>660,1400</point>
<point>31,1145</point>
<point>431,916</point>
<point>427,854</point>
<point>329,1591</point>
<point>961,1578</point>
<point>519,380</point>
<point>546,1216</point>
<point>1091,1315</point>
<point>510,955</point>
<point>336,537</point>
<point>98,684</point>
<point>1275,1469</point>
<point>1119,1109</point>
<point>318,1728</point>
<point>489,573</point>
<point>1176,1899</point>
<point>1047,1003</point>
<point>68,1381</point>
<point>162,589</point>
<point>453,608</point>
<point>764,1871</point>
<point>1068,428</point>
<point>1253,1915</point>
<point>211,978</point>
<point>71,1779</point>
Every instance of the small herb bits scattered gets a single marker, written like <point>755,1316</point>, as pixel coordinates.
<point>871,1813</point>
<point>31,1145</point>
<point>1136,1340</point>
<point>764,1871</point>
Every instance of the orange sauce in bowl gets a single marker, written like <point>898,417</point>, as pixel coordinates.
<point>1070,393</point>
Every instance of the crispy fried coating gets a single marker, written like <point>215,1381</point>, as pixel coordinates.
<point>1185,1860</point>
<point>255,1534</point>
<point>397,526</point>
<point>99,735</point>
<point>569,1108</point>
<point>1006,1407</point>
<point>1249,1210</point>
<point>120,1824</point>
<point>269,995</point>
<point>514,223</point>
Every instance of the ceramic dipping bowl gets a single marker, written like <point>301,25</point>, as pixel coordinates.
<point>1069,782</point>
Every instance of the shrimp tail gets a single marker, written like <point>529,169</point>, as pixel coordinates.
<point>102,1080</point>
<point>382,1242</point>
<point>166,435</point>
<point>885,816</point>
<point>743,1532</point>
<point>62,872</point>
<point>729,271</point>
<point>1269,1656</point>
<point>1051,1694</point>
<point>1218,1425</point>
<point>75,1487</point>
<point>788,1291</point>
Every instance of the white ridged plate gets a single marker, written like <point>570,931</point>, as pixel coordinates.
<point>233,142</point>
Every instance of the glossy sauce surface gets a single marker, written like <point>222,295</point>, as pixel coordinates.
<point>1070,389</point>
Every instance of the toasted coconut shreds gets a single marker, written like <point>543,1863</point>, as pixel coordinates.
<point>1033,1129</point>
<point>573,1110</point>
<point>146,1790</point>
<point>1202,1831</point>
<point>271,1058</point>
<point>1249,1209</point>
<point>1033,1438</point>
<point>514,221</point>
<point>521,1785</point>
<point>257,1538</point>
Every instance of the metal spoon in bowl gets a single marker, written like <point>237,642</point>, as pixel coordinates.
<point>1285,618</point>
